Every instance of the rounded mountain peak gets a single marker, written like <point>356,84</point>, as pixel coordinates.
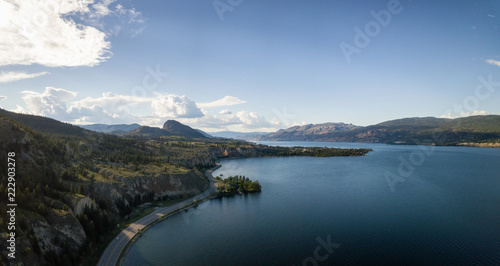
<point>179,129</point>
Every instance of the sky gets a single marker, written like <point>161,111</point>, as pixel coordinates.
<point>249,65</point>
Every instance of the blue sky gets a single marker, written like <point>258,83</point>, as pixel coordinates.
<point>249,65</point>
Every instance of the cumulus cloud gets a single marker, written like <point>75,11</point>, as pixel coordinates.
<point>240,121</point>
<point>3,98</point>
<point>108,108</point>
<point>225,112</point>
<point>57,103</point>
<point>40,32</point>
<point>226,101</point>
<point>6,77</point>
<point>464,114</point>
<point>173,106</point>
<point>251,119</point>
<point>493,62</point>
<point>111,100</point>
<point>111,108</point>
<point>51,102</point>
<point>46,33</point>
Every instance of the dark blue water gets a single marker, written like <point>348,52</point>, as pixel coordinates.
<point>397,205</point>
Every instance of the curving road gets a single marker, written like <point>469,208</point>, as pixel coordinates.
<point>112,253</point>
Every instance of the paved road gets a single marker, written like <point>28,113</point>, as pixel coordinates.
<point>112,253</point>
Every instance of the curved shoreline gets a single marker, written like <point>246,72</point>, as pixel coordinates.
<point>117,249</point>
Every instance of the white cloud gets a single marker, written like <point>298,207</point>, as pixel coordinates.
<point>175,106</point>
<point>6,77</point>
<point>3,98</point>
<point>45,32</point>
<point>464,114</point>
<point>19,109</point>
<point>41,32</point>
<point>226,101</point>
<point>111,100</point>
<point>251,119</point>
<point>102,8</point>
<point>109,108</point>
<point>493,62</point>
<point>225,112</point>
<point>136,32</point>
<point>113,108</point>
<point>52,102</point>
<point>240,121</point>
<point>117,15</point>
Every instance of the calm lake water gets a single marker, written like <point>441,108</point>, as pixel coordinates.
<point>397,205</point>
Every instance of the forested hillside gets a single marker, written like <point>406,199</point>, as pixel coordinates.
<point>474,130</point>
<point>76,189</point>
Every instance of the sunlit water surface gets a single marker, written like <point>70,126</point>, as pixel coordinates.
<point>396,205</point>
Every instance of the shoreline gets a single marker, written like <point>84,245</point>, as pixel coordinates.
<point>458,144</point>
<point>118,248</point>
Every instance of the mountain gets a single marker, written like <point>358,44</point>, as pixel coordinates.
<point>46,125</point>
<point>74,186</point>
<point>177,129</point>
<point>170,128</point>
<point>204,133</point>
<point>239,135</point>
<point>309,132</point>
<point>152,132</point>
<point>417,130</point>
<point>112,129</point>
<point>75,189</point>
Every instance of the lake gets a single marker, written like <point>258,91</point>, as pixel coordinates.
<point>396,205</point>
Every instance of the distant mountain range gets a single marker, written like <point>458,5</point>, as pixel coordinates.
<point>238,135</point>
<point>112,129</point>
<point>309,132</point>
<point>170,128</point>
<point>472,130</point>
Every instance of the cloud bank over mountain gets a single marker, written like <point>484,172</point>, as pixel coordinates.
<point>111,108</point>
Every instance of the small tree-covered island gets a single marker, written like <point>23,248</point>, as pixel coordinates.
<point>236,184</point>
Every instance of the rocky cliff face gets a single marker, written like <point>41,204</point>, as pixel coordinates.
<point>129,192</point>
<point>54,216</point>
<point>223,152</point>
<point>59,228</point>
